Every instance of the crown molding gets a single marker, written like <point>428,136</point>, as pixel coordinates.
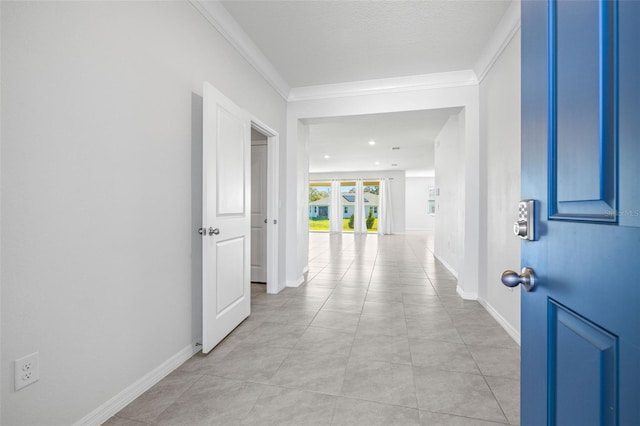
<point>505,31</point>
<point>214,12</point>
<point>385,85</point>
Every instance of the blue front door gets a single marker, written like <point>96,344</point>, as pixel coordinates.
<point>581,163</point>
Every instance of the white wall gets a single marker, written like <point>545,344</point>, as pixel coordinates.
<point>500,137</point>
<point>417,196</point>
<point>101,163</point>
<point>384,97</point>
<point>450,183</point>
<point>397,184</point>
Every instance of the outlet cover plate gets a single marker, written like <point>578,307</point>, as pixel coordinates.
<point>27,370</point>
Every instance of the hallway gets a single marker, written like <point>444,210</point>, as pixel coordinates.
<point>376,336</point>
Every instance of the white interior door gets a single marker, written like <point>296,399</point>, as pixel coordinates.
<point>226,241</point>
<point>259,213</point>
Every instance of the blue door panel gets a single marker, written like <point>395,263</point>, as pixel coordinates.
<point>582,81</point>
<point>583,367</point>
<point>629,379</point>
<point>577,46</point>
<point>581,163</point>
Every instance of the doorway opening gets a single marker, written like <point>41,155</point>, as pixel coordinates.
<point>264,207</point>
<point>259,194</point>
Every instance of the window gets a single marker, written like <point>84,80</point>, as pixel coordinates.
<point>319,206</point>
<point>348,198</point>
<point>431,201</point>
<point>371,198</point>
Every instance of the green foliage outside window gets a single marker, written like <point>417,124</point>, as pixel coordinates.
<point>370,219</point>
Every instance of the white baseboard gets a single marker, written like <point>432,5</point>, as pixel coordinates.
<point>295,283</point>
<point>122,399</point>
<point>281,286</point>
<point>467,295</point>
<point>515,334</point>
<point>446,265</point>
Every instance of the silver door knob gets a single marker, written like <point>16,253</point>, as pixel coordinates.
<point>527,278</point>
<point>202,231</point>
<point>214,231</point>
<point>265,221</point>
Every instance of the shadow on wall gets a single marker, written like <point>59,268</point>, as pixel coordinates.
<point>196,217</point>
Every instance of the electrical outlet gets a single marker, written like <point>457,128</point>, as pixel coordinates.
<point>27,370</point>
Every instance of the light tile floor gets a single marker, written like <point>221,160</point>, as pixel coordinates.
<point>376,336</point>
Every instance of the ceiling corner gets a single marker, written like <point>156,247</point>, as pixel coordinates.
<point>214,12</point>
<point>504,32</point>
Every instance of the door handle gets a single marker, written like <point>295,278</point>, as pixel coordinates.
<point>214,231</point>
<point>527,278</point>
<point>265,221</point>
<point>202,231</point>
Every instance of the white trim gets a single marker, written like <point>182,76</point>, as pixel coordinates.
<point>466,295</point>
<point>295,283</point>
<point>131,392</point>
<point>446,265</point>
<point>515,334</point>
<point>305,269</point>
<point>385,85</point>
<point>217,15</point>
<point>273,202</point>
<point>505,31</point>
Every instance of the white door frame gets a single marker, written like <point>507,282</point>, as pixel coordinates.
<point>273,201</point>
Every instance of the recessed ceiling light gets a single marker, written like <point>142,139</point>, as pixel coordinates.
<point>372,142</point>
<point>326,156</point>
<point>377,163</point>
<point>395,148</point>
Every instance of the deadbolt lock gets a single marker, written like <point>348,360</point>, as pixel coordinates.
<point>524,227</point>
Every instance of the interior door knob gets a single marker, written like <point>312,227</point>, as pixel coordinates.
<point>527,278</point>
<point>214,231</point>
<point>202,231</point>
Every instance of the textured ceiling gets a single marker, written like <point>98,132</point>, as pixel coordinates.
<point>322,42</point>
<point>345,140</point>
<point>316,42</point>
